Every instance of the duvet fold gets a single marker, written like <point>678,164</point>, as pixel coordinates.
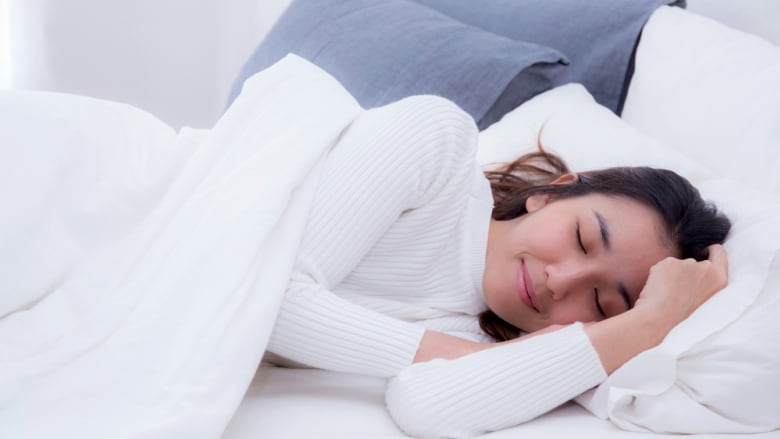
<point>158,335</point>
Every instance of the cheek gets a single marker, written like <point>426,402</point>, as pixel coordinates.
<point>496,283</point>
<point>549,238</point>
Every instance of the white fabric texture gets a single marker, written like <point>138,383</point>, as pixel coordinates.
<point>286,403</point>
<point>711,92</point>
<point>158,334</point>
<point>719,371</point>
<point>156,330</point>
<point>396,243</point>
<point>397,235</point>
<point>76,174</point>
<point>496,388</point>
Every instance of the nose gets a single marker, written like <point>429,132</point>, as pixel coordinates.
<point>569,277</point>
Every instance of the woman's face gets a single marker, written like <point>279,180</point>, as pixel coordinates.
<point>573,259</point>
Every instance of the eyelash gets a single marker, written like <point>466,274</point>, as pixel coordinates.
<point>579,240</point>
<point>598,304</point>
<point>595,290</point>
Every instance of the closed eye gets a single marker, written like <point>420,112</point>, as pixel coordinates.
<point>598,304</point>
<point>579,240</point>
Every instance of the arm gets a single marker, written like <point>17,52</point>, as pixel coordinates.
<point>674,289</point>
<point>515,381</point>
<point>495,388</point>
<point>391,160</point>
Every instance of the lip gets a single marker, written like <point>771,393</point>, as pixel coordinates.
<point>525,288</point>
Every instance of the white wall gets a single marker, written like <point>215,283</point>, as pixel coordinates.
<point>759,17</point>
<point>173,58</point>
<point>177,58</point>
<point>5,46</point>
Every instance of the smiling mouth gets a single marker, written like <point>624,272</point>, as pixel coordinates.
<point>526,295</point>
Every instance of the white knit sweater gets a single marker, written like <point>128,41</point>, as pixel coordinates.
<point>395,244</point>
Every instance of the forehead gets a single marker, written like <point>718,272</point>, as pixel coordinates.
<point>621,210</point>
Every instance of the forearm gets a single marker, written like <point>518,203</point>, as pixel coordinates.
<point>317,328</point>
<point>622,337</point>
<point>616,340</point>
<point>494,388</point>
<point>515,381</point>
<point>674,290</point>
<point>536,373</point>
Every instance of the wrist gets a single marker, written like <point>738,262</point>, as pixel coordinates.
<point>620,338</point>
<point>440,345</point>
<point>656,324</point>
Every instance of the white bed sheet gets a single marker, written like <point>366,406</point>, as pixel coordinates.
<point>286,403</point>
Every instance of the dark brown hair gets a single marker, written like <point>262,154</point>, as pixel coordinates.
<point>691,223</point>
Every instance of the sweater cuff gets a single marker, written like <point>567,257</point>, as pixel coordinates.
<point>495,388</point>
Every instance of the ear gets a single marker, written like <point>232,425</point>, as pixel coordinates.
<point>536,202</point>
<point>567,178</point>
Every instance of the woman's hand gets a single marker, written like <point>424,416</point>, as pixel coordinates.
<point>676,287</point>
<point>673,291</point>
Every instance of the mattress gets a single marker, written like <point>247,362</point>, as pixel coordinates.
<point>308,403</point>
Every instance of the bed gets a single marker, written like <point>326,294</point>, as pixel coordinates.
<point>674,89</point>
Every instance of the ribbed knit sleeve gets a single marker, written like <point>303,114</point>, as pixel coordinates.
<point>391,160</point>
<point>495,388</point>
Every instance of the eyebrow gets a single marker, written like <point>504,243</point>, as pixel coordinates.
<point>605,239</point>
<point>604,229</point>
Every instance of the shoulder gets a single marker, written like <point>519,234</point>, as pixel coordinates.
<point>417,144</point>
<point>418,126</point>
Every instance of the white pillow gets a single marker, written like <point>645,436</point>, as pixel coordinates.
<point>553,117</point>
<point>45,140</point>
<point>719,371</point>
<point>710,91</point>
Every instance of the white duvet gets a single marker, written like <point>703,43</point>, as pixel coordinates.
<point>142,273</point>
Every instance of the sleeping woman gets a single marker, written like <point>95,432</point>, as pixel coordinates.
<point>488,298</point>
